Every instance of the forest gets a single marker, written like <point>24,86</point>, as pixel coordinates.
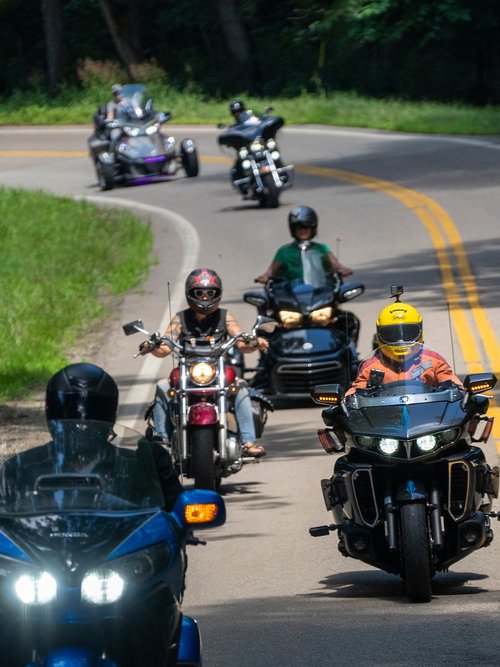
<point>442,50</point>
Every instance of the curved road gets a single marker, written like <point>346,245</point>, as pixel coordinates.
<point>400,209</point>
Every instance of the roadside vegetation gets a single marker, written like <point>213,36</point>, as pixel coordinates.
<point>74,106</point>
<point>63,264</point>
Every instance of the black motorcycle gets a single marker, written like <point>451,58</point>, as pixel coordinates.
<point>412,495</point>
<point>316,340</point>
<point>258,172</point>
<point>131,149</point>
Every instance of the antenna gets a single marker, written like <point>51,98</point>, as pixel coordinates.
<point>451,334</point>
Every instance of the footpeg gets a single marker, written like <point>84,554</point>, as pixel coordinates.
<point>321,531</point>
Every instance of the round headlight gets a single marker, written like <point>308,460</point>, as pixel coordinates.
<point>246,164</point>
<point>275,155</point>
<point>388,446</point>
<point>271,144</point>
<point>449,435</point>
<point>256,146</point>
<point>365,441</point>
<point>39,588</point>
<point>426,443</point>
<point>243,153</point>
<point>202,372</point>
<point>103,586</point>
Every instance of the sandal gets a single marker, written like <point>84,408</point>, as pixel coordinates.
<point>251,449</point>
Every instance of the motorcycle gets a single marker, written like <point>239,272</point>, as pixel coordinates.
<point>412,495</point>
<point>92,569</point>
<point>258,173</point>
<point>132,149</point>
<point>315,342</point>
<point>205,442</point>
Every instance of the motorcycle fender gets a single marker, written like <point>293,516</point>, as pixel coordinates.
<point>190,643</point>
<point>411,492</point>
<point>203,414</point>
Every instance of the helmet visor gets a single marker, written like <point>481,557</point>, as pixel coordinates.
<point>67,405</point>
<point>400,333</point>
<point>207,293</point>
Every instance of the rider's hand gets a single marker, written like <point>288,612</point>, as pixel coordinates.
<point>262,344</point>
<point>145,347</point>
<point>261,279</point>
<point>344,271</point>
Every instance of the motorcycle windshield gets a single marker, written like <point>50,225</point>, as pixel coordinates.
<point>91,466</point>
<point>297,295</point>
<point>403,399</point>
<point>254,127</point>
<point>132,103</point>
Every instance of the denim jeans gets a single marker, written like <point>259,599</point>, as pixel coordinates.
<point>163,425</point>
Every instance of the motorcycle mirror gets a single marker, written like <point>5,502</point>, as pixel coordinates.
<point>476,383</point>
<point>265,325</point>
<point>351,291</point>
<point>330,394</point>
<point>136,326</point>
<point>256,299</point>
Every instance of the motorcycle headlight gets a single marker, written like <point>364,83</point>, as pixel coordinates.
<point>426,443</point>
<point>36,588</point>
<point>243,153</point>
<point>275,155</point>
<point>271,144</point>
<point>256,146</point>
<point>290,318</point>
<point>131,131</point>
<point>246,165</point>
<point>152,129</point>
<point>365,441</point>
<point>102,586</point>
<point>448,436</point>
<point>322,315</point>
<point>202,372</point>
<point>388,446</point>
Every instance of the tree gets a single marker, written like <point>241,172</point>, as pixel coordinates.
<point>238,42</point>
<point>123,27</point>
<point>52,13</point>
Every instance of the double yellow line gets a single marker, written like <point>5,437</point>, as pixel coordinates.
<point>479,347</point>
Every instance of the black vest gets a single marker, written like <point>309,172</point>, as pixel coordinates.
<point>211,328</point>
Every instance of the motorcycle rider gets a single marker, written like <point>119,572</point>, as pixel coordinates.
<point>401,354</point>
<point>204,320</point>
<point>82,399</point>
<point>113,105</point>
<point>304,259</point>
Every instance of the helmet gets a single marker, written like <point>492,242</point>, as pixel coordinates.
<point>203,290</point>
<point>303,216</point>
<point>116,89</point>
<point>81,391</point>
<point>399,330</point>
<point>236,107</point>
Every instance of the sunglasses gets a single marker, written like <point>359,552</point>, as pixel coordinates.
<point>205,293</point>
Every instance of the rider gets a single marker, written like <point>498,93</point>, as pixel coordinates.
<point>401,354</point>
<point>297,260</point>
<point>82,399</point>
<point>205,320</point>
<point>114,104</point>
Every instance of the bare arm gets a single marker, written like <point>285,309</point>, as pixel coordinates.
<point>273,269</point>
<point>337,266</point>
<point>233,329</point>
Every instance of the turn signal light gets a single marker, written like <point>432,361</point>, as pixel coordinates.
<point>200,513</point>
<point>327,398</point>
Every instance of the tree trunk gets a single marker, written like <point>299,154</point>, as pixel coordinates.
<point>238,41</point>
<point>52,12</point>
<point>123,33</point>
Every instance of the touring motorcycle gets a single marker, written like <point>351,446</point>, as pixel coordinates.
<point>92,569</point>
<point>258,172</point>
<point>132,149</point>
<point>315,342</point>
<point>205,442</point>
<point>412,494</point>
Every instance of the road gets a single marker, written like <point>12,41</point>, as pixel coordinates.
<point>421,211</point>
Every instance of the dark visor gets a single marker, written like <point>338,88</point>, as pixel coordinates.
<point>65,405</point>
<point>397,333</point>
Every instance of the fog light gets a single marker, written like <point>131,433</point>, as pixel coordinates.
<point>359,543</point>
<point>470,534</point>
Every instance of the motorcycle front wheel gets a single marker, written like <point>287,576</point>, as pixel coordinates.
<point>270,196</point>
<point>415,548</point>
<point>202,444</point>
<point>106,175</point>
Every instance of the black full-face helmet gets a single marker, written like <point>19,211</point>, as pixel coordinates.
<point>203,290</point>
<point>236,108</point>
<point>303,216</point>
<point>81,392</point>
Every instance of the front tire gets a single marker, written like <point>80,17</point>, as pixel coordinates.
<point>202,444</point>
<point>189,158</point>
<point>105,175</point>
<point>415,552</point>
<point>270,196</point>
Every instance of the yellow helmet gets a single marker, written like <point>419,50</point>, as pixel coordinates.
<point>399,329</point>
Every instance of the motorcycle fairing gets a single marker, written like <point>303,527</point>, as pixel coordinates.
<point>244,134</point>
<point>305,343</point>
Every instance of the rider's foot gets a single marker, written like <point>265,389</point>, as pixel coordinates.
<point>251,449</point>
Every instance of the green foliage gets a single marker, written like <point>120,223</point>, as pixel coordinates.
<point>62,261</point>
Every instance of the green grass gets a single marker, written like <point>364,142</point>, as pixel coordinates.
<point>341,109</point>
<point>61,261</point>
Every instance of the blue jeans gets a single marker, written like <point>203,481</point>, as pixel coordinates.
<point>163,425</point>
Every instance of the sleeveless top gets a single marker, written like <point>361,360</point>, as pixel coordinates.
<point>211,328</point>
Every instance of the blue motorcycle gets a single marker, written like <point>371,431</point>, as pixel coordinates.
<point>92,569</point>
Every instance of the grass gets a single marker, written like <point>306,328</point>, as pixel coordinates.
<point>338,108</point>
<point>61,261</point>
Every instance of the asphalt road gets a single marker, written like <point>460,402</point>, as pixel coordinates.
<point>421,211</point>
